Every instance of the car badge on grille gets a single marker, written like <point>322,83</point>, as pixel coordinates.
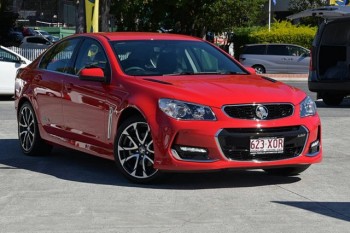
<point>261,112</point>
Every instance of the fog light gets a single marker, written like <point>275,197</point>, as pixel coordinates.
<point>314,147</point>
<point>192,149</point>
<point>190,153</point>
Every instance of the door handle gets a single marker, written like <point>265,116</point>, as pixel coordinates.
<point>37,78</point>
<point>68,87</point>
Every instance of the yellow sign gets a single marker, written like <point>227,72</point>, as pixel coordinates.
<point>91,15</point>
<point>339,2</point>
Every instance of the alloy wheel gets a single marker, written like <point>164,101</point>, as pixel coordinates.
<point>259,69</point>
<point>135,151</point>
<point>26,128</point>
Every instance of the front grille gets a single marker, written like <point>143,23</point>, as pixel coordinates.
<point>235,143</point>
<point>275,111</point>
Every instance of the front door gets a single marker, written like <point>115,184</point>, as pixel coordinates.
<point>84,102</point>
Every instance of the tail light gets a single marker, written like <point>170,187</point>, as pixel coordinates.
<point>312,66</point>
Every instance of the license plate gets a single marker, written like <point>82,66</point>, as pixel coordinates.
<point>266,145</point>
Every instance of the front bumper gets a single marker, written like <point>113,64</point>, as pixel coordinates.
<point>220,138</point>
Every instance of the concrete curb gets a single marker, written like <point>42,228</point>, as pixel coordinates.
<point>288,77</point>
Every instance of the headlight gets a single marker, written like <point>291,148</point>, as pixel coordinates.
<point>185,111</point>
<point>307,107</point>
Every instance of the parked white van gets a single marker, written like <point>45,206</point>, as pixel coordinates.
<point>276,58</point>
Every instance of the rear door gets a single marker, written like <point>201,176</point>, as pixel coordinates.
<point>253,55</point>
<point>279,59</point>
<point>54,66</point>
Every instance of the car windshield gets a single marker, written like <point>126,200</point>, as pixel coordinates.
<point>165,57</point>
<point>44,33</point>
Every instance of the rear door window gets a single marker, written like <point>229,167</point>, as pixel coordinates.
<point>59,59</point>
<point>279,50</point>
<point>256,49</point>
<point>297,51</point>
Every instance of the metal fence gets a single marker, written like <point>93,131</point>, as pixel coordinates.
<point>30,54</point>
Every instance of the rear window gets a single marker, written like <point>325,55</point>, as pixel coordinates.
<point>336,33</point>
<point>37,40</point>
<point>255,49</point>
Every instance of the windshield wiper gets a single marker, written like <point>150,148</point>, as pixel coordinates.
<point>231,72</point>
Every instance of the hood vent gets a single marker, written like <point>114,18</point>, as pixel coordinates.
<point>157,81</point>
<point>269,79</point>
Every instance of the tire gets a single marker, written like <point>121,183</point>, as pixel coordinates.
<point>332,100</point>
<point>134,153</point>
<point>28,132</point>
<point>287,171</point>
<point>259,69</point>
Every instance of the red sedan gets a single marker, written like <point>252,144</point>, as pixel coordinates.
<point>163,102</point>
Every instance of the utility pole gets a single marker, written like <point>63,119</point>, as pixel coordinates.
<point>269,15</point>
<point>80,17</point>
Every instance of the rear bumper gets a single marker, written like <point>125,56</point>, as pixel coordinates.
<point>338,86</point>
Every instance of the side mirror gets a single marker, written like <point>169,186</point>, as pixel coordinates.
<point>92,74</point>
<point>251,70</point>
<point>19,60</point>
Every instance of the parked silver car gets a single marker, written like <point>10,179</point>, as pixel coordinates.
<point>276,58</point>
<point>35,42</point>
<point>47,35</point>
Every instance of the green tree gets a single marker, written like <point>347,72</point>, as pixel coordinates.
<point>192,17</point>
<point>300,5</point>
<point>231,13</point>
<point>104,14</point>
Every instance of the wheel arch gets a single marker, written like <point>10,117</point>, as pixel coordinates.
<point>127,113</point>
<point>21,102</point>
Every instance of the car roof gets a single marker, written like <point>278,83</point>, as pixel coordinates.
<point>327,12</point>
<point>139,36</point>
<point>30,37</point>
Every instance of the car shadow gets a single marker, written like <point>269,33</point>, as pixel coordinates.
<point>338,210</point>
<point>71,165</point>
